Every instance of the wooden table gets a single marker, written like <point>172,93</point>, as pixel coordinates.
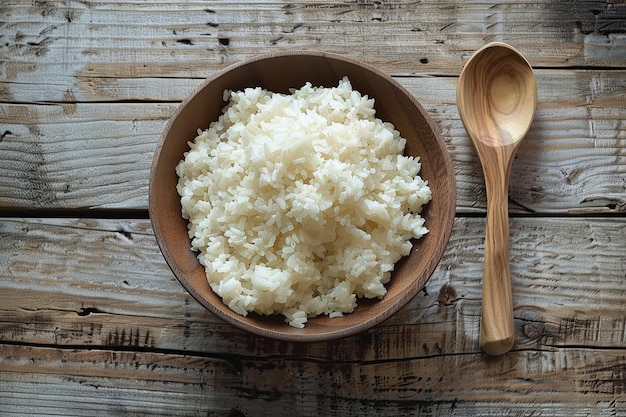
<point>92,321</point>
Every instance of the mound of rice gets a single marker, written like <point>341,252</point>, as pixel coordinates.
<point>300,203</point>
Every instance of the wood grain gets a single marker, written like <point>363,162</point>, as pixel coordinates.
<point>55,57</point>
<point>574,130</point>
<point>121,39</point>
<point>92,156</point>
<point>571,382</point>
<point>92,322</point>
<point>130,334</point>
<point>118,292</point>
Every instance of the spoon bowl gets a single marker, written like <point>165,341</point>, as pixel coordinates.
<point>497,98</point>
<point>497,95</point>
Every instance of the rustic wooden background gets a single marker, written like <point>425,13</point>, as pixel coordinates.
<point>92,322</point>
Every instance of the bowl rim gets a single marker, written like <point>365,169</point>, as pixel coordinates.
<point>291,336</point>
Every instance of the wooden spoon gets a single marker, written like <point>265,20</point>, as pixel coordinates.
<point>496,97</point>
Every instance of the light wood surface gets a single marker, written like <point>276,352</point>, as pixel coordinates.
<point>92,321</point>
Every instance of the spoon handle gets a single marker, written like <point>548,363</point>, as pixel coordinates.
<point>496,328</point>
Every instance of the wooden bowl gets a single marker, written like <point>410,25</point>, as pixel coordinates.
<point>279,72</point>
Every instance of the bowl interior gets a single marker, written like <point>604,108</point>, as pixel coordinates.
<point>279,73</point>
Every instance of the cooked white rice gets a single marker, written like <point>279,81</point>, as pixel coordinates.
<point>300,203</point>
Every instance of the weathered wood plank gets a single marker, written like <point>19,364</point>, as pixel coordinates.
<point>98,155</point>
<point>78,156</point>
<point>564,382</point>
<point>92,322</point>
<point>59,51</point>
<point>569,283</point>
<point>191,39</point>
<point>36,174</point>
